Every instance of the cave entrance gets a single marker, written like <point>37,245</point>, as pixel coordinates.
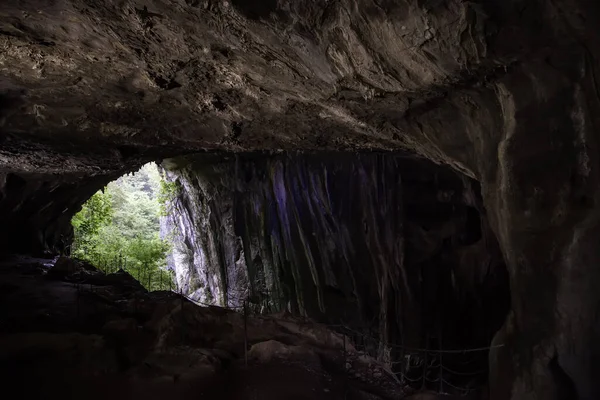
<point>394,248</point>
<point>119,228</point>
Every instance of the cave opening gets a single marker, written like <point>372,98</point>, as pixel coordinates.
<point>393,251</point>
<point>119,227</point>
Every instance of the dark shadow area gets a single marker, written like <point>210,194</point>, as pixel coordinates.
<point>255,9</point>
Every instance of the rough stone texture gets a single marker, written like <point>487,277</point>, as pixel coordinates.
<point>95,336</point>
<point>274,350</point>
<point>207,254</point>
<point>390,246</point>
<point>41,188</point>
<point>220,74</point>
<point>505,91</point>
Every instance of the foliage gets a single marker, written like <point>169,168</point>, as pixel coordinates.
<point>168,192</point>
<point>147,257</point>
<point>95,214</point>
<point>119,228</point>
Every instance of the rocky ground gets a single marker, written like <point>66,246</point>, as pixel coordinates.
<point>73,332</point>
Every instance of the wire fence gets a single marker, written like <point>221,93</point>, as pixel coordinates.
<point>422,367</point>
<point>419,368</point>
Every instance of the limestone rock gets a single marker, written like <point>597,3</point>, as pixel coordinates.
<point>273,350</point>
<point>176,348</point>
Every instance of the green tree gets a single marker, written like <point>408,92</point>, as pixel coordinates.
<point>145,258</point>
<point>95,214</point>
<point>166,195</point>
<point>118,228</point>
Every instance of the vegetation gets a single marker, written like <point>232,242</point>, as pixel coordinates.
<point>119,226</point>
<point>167,193</point>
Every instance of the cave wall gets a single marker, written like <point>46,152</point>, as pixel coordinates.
<point>35,211</point>
<point>532,141</point>
<point>40,192</point>
<point>389,245</point>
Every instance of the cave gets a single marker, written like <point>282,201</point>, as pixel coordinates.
<point>411,182</point>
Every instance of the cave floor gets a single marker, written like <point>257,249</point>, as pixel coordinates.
<point>74,332</point>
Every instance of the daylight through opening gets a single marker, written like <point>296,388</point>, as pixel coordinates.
<point>119,228</point>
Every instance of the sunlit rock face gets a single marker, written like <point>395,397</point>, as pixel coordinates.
<point>207,254</point>
<point>387,244</point>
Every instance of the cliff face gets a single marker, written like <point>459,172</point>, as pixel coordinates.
<point>386,244</point>
<point>207,254</point>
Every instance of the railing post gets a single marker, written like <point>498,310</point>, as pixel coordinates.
<point>403,368</point>
<point>245,332</point>
<point>78,295</point>
<point>345,369</point>
<point>441,366</point>
<point>135,303</point>
<point>425,362</point>
<point>182,316</point>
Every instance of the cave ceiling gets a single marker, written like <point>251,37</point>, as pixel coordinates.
<point>181,76</point>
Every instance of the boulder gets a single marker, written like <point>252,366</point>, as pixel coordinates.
<point>273,350</point>
<point>66,266</point>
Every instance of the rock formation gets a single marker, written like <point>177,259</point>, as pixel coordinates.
<point>85,334</point>
<point>505,92</point>
<point>389,245</point>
